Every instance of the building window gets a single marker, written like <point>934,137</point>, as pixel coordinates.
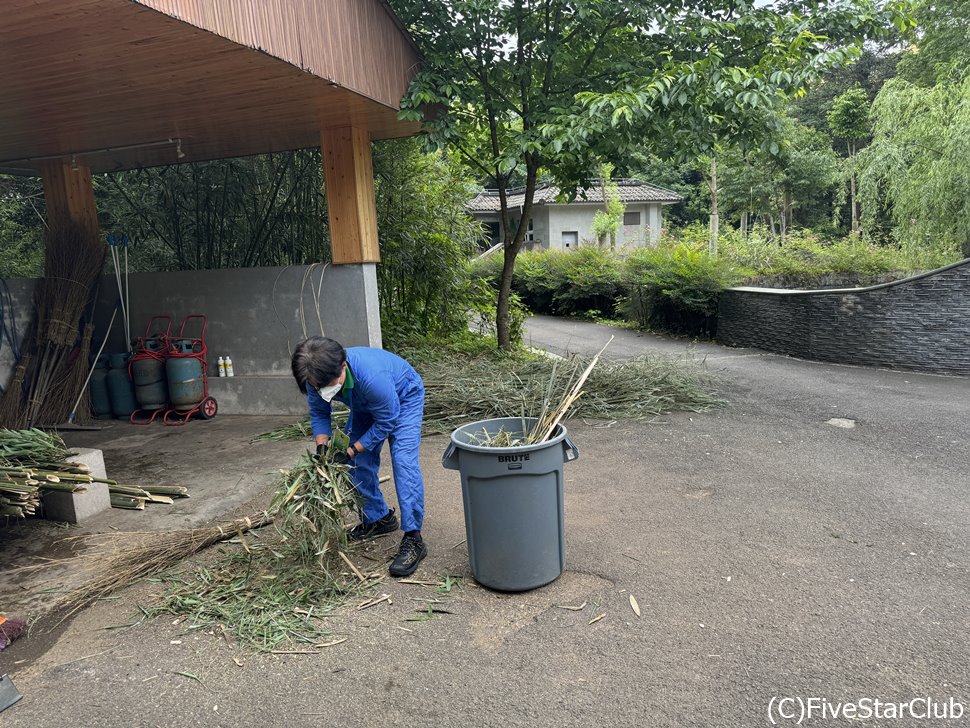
<point>531,234</point>
<point>631,219</point>
<point>570,238</point>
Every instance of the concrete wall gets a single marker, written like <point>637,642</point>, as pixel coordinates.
<point>579,217</point>
<point>254,316</point>
<point>920,323</point>
<point>549,221</point>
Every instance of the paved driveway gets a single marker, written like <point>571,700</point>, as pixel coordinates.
<point>771,554</point>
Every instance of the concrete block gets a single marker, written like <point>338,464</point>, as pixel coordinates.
<point>76,507</point>
<point>94,459</point>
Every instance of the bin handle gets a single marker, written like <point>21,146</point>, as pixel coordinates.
<point>450,458</point>
<point>570,451</point>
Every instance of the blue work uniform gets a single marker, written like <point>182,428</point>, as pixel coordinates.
<point>386,399</point>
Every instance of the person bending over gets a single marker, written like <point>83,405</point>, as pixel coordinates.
<point>386,400</point>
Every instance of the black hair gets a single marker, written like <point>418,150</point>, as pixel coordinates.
<point>317,361</point>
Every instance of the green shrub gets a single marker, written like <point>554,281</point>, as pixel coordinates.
<point>583,280</point>
<point>676,288</point>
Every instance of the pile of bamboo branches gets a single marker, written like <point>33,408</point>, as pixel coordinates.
<point>134,497</point>
<point>265,594</point>
<point>460,389</point>
<point>53,367</point>
<point>31,461</point>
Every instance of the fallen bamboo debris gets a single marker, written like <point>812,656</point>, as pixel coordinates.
<point>463,388</point>
<point>32,461</point>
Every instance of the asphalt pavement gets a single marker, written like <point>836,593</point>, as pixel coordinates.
<point>807,541</point>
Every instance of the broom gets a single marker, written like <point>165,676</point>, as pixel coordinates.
<point>124,558</point>
<point>12,413</point>
<point>73,260</point>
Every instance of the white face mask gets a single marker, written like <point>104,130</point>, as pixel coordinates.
<point>328,393</point>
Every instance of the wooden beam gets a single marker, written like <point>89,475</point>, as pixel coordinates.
<point>348,173</point>
<point>69,194</point>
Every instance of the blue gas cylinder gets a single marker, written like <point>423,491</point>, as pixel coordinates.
<point>121,391</point>
<point>185,385</point>
<point>148,374</point>
<point>98,389</point>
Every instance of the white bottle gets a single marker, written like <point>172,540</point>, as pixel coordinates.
<point>222,367</point>
<point>229,372</point>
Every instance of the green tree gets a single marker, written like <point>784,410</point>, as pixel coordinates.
<point>917,163</point>
<point>793,175</point>
<point>606,222</point>
<point>849,120</point>
<point>940,43</point>
<point>426,238</point>
<point>519,86</point>
<point>21,227</point>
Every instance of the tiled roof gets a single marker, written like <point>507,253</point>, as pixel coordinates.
<point>631,190</point>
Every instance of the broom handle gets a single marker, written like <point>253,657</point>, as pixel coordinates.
<point>73,414</point>
<point>127,301</point>
<point>116,259</point>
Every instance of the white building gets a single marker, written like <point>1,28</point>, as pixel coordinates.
<point>566,225</point>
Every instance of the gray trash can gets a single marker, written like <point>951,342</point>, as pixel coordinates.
<point>513,499</point>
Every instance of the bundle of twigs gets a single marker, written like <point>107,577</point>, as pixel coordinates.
<point>312,499</point>
<point>73,261</point>
<point>275,592</point>
<point>12,412</point>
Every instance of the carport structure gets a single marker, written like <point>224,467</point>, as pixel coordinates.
<point>92,86</point>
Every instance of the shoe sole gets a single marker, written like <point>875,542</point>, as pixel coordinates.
<point>413,567</point>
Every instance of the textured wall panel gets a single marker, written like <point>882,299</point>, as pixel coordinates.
<point>920,323</point>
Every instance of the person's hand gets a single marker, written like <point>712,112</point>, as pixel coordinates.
<point>342,457</point>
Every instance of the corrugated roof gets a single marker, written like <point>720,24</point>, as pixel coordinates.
<point>631,190</point>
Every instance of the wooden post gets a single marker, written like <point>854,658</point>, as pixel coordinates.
<point>69,194</point>
<point>348,174</point>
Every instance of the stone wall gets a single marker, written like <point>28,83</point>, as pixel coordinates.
<point>920,323</point>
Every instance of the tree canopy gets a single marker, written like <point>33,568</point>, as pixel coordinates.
<point>522,86</point>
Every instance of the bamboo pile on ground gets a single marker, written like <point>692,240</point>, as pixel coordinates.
<point>32,460</point>
<point>461,389</point>
<point>276,587</point>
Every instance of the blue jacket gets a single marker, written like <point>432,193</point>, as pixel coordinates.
<point>380,379</point>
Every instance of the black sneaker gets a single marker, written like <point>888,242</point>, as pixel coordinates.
<point>409,556</point>
<point>362,531</point>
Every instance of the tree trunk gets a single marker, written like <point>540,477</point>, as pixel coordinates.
<point>744,224</point>
<point>786,214</point>
<point>852,195</point>
<point>715,217</point>
<point>511,248</point>
<point>855,209</point>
